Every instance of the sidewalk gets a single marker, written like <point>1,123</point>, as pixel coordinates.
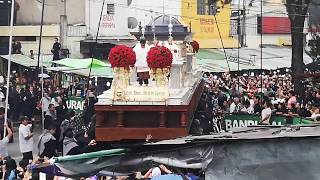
<point>13,148</point>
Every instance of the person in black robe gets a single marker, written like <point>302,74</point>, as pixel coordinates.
<point>30,101</point>
<point>14,103</point>
<point>56,49</point>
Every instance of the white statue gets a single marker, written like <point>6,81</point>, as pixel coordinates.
<point>175,50</point>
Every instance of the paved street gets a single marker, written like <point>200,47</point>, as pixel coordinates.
<point>13,148</point>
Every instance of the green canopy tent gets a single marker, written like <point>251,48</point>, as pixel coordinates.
<point>95,71</point>
<point>82,67</point>
<point>81,63</point>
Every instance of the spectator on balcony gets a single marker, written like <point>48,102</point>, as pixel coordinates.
<point>56,49</point>
<point>16,47</point>
<point>31,56</point>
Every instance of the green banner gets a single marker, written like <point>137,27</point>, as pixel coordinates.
<point>244,120</point>
<point>75,103</point>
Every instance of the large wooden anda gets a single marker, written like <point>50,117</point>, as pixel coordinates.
<point>134,112</point>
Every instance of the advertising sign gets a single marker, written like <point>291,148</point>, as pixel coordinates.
<point>114,20</point>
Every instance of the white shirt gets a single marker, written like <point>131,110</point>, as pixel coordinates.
<point>266,112</point>
<point>3,147</point>
<point>141,57</point>
<point>25,145</point>
<point>235,108</point>
<point>45,103</point>
<point>232,107</point>
<point>2,100</point>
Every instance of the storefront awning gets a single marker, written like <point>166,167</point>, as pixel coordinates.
<point>213,60</point>
<point>26,61</point>
<point>97,71</point>
<point>81,63</point>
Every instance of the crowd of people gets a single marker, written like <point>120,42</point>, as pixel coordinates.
<point>66,132</point>
<point>268,94</point>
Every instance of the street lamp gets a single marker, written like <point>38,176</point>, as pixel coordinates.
<point>170,26</point>
<point>153,30</point>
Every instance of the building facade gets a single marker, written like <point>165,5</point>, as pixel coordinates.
<point>76,22</point>
<point>274,25</point>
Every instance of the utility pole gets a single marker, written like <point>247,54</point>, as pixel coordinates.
<point>64,26</point>
<point>40,38</point>
<point>65,7</point>
<point>244,41</point>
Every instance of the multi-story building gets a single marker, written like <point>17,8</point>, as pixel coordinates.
<point>27,25</point>
<point>274,24</point>
<point>76,22</point>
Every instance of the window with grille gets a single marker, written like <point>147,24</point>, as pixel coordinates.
<point>212,7</point>
<point>110,8</point>
<point>201,7</point>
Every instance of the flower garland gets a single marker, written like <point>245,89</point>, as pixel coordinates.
<point>159,57</point>
<point>195,46</point>
<point>122,56</point>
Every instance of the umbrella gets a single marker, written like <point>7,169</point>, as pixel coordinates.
<point>43,76</point>
<point>168,177</point>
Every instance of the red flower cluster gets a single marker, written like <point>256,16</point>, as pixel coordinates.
<point>195,46</point>
<point>122,56</point>
<point>159,57</point>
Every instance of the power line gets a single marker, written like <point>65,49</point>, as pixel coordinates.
<point>224,50</point>
<point>196,18</point>
<point>96,40</point>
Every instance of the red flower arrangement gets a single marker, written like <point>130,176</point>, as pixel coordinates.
<point>195,46</point>
<point>122,56</point>
<point>159,57</point>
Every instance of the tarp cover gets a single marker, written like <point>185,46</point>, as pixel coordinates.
<point>255,154</point>
<point>26,61</point>
<point>136,160</point>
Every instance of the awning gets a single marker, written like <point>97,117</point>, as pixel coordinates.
<point>81,63</point>
<point>216,43</point>
<point>211,60</point>
<point>210,54</point>
<point>27,61</point>
<point>96,71</point>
